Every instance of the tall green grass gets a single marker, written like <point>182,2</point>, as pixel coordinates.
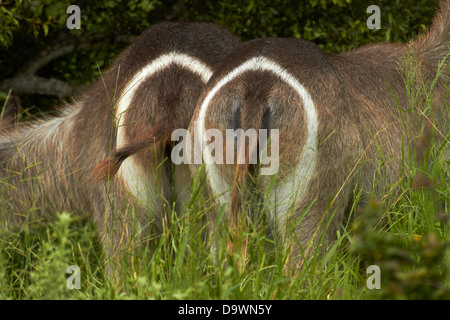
<point>407,237</point>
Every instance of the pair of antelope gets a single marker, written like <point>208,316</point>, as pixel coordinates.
<point>333,113</point>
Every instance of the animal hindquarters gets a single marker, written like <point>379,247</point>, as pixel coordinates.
<point>259,92</point>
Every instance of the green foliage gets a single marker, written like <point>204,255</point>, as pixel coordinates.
<point>39,18</point>
<point>26,17</point>
<point>53,260</point>
<point>413,265</point>
<point>335,26</point>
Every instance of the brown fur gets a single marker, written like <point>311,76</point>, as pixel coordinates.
<point>47,166</point>
<point>107,168</point>
<point>360,122</point>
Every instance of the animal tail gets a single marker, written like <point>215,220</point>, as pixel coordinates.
<point>108,167</point>
<point>251,117</point>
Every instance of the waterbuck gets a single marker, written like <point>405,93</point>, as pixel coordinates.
<point>69,163</point>
<point>342,121</point>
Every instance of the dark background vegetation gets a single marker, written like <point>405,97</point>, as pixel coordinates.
<point>37,49</point>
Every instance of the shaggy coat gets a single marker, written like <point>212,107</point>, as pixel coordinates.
<point>343,122</point>
<point>58,164</point>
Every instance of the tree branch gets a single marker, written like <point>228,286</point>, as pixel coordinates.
<point>27,82</point>
<point>31,84</point>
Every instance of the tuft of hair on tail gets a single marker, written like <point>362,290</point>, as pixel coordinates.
<point>107,168</point>
<point>251,117</point>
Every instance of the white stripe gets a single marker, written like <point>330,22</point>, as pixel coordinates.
<point>305,167</point>
<point>129,172</point>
